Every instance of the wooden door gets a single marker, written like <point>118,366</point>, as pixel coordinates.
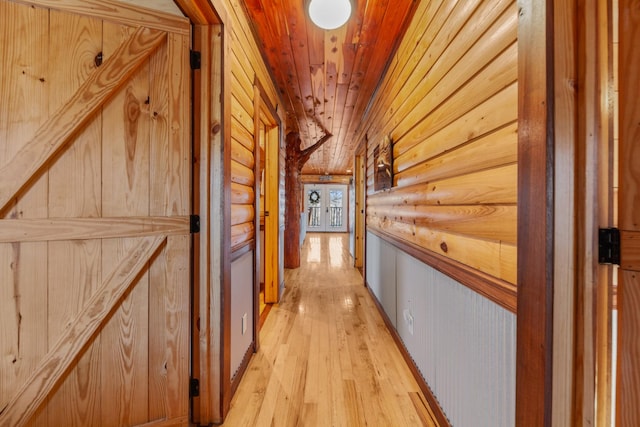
<point>359,214</point>
<point>95,196</point>
<point>628,388</point>
<point>273,208</point>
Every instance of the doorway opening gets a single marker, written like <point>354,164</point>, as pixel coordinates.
<point>326,208</point>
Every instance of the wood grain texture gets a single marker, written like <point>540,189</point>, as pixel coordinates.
<point>535,225</point>
<point>75,272</point>
<point>329,75</point>
<point>326,355</point>
<point>78,333</point>
<point>79,109</point>
<point>628,389</point>
<point>24,103</point>
<point>630,250</point>
<point>449,104</point>
<point>38,230</point>
<point>115,11</point>
<point>67,223</point>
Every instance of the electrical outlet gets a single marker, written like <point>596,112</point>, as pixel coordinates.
<point>244,323</point>
<point>408,318</point>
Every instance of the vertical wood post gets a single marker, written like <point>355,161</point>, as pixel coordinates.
<point>535,214</point>
<point>296,158</point>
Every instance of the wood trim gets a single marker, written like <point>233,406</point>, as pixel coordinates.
<point>203,349</point>
<point>180,421</point>
<point>53,229</point>
<point>501,292</point>
<point>225,232</point>
<point>118,12</point>
<point>441,418</point>
<point>535,214</point>
<point>73,115</point>
<point>200,12</point>
<point>242,249</point>
<point>259,219</point>
<point>235,381</point>
<point>78,334</point>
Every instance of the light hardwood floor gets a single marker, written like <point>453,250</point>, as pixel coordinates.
<point>326,357</point>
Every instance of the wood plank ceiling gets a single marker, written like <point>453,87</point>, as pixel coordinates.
<point>328,78</point>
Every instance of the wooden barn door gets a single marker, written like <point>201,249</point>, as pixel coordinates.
<point>95,196</point>
<point>628,383</point>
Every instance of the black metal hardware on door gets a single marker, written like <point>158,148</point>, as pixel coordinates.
<point>609,246</point>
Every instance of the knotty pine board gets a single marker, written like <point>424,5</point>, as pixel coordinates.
<point>23,107</point>
<point>126,191</point>
<point>75,271</point>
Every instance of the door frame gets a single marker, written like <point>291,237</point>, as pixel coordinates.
<point>360,214</point>
<point>563,197</point>
<point>211,346</point>
<point>265,114</point>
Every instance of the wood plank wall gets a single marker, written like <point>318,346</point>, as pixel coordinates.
<point>247,65</point>
<point>449,104</point>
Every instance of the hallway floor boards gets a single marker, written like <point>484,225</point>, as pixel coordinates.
<point>326,357</point>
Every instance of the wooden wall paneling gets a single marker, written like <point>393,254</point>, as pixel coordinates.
<point>493,150</point>
<point>117,12</point>
<point>496,186</point>
<point>423,28</point>
<point>242,83</point>
<point>241,174</point>
<point>24,103</point>
<point>241,154</point>
<point>241,194</point>
<point>486,118</point>
<point>79,332</point>
<point>75,271</point>
<point>451,72</point>
<point>126,192</point>
<point>374,36</point>
<point>486,256</point>
<point>242,213</point>
<point>497,75</point>
<point>449,54</point>
<point>242,135</point>
<point>535,226</point>
<point>241,234</point>
<point>244,117</point>
<point>488,222</point>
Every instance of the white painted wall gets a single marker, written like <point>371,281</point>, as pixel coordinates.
<point>241,304</point>
<point>463,344</point>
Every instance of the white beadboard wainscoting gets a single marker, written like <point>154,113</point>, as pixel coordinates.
<point>241,309</point>
<point>463,344</point>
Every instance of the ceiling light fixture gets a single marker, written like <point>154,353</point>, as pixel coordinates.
<point>329,14</point>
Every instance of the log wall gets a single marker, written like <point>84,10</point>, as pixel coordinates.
<point>449,104</point>
<point>247,67</point>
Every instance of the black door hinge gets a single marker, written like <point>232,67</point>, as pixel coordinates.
<point>609,246</point>
<point>194,226</point>
<point>195,60</point>
<point>194,387</point>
